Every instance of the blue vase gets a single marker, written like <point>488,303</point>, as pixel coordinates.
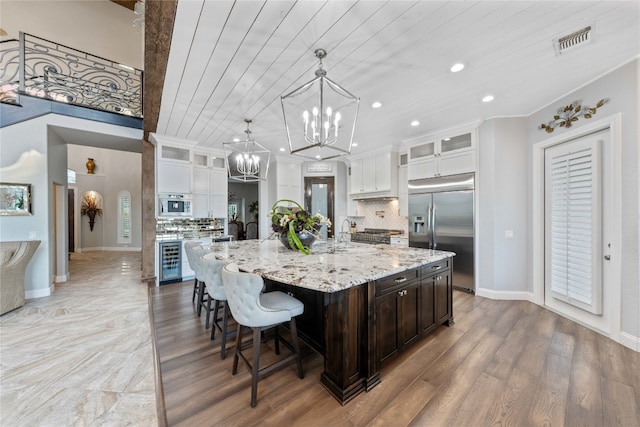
<point>305,237</point>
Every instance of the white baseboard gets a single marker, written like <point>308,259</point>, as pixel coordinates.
<point>39,293</point>
<point>112,249</point>
<point>628,340</point>
<point>505,295</point>
<point>61,279</point>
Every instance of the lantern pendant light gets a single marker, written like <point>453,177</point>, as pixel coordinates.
<point>320,117</point>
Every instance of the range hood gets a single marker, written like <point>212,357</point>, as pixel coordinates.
<point>373,198</point>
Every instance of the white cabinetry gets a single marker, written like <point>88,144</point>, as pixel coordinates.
<point>442,155</point>
<point>288,181</point>
<point>210,186</point>
<point>173,170</point>
<point>375,175</point>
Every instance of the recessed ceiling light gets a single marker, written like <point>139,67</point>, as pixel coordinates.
<point>281,148</point>
<point>377,104</point>
<point>447,139</point>
<point>487,98</point>
<point>355,144</point>
<point>415,123</point>
<point>457,67</point>
<point>236,139</point>
<point>318,156</point>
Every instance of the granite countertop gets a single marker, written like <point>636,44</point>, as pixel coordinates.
<point>328,268</point>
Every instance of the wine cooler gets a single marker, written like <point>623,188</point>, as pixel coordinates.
<point>170,262</point>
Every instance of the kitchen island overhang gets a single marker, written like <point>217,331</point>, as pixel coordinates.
<point>363,303</point>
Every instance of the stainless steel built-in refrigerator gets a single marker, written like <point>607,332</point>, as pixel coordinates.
<point>441,217</point>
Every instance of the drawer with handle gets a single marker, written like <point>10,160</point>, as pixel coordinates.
<point>436,267</point>
<point>390,283</point>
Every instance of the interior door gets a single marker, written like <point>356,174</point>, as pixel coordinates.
<point>576,218</point>
<point>319,198</point>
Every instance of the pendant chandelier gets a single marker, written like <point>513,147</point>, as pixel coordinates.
<point>320,117</point>
<point>246,160</point>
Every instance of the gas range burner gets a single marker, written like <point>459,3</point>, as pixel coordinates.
<point>374,235</point>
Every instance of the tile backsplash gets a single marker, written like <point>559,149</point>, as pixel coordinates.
<point>380,214</point>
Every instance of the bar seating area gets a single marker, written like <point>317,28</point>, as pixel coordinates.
<point>242,299</point>
<point>260,311</point>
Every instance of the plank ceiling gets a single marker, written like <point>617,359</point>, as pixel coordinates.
<point>232,60</point>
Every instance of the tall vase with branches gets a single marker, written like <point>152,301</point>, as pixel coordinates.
<point>91,208</point>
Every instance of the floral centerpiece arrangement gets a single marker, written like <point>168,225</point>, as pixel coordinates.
<point>295,225</point>
<point>91,208</point>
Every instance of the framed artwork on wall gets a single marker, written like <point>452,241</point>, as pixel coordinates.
<point>15,199</point>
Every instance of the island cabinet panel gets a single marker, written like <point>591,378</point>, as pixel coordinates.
<point>347,320</point>
<point>437,295</point>
<point>397,315</point>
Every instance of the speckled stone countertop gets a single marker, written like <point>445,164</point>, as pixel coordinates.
<point>328,268</point>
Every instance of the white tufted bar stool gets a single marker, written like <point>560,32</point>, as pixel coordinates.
<point>212,275</point>
<point>258,311</point>
<point>195,251</point>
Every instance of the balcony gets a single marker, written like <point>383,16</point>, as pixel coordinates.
<point>34,68</point>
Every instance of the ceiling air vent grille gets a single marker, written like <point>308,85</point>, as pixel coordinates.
<point>573,40</point>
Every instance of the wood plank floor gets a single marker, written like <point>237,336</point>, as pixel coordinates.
<point>507,363</point>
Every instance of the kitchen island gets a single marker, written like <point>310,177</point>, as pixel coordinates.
<point>364,303</point>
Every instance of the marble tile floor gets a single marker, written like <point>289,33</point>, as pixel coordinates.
<point>82,356</point>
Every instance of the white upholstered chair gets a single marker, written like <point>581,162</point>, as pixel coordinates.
<point>259,311</point>
<point>194,252</point>
<point>212,275</point>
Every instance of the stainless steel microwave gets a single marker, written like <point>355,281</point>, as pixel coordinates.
<point>175,205</point>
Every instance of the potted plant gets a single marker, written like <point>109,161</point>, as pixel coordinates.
<point>296,227</point>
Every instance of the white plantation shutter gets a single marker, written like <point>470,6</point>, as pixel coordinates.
<point>124,217</point>
<point>573,223</point>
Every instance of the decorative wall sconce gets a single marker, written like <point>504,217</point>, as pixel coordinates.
<point>571,113</point>
<point>91,206</point>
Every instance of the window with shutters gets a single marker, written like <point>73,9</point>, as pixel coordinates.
<point>124,217</point>
<point>573,223</point>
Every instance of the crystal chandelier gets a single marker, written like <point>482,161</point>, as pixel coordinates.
<point>320,117</point>
<point>246,160</point>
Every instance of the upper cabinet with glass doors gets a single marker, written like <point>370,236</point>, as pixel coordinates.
<point>441,155</point>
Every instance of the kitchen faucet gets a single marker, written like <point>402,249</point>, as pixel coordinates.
<point>343,234</point>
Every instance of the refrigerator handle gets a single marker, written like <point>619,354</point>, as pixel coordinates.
<point>433,226</point>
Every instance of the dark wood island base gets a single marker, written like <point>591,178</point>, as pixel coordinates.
<point>361,328</point>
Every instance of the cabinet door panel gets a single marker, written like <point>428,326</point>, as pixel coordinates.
<point>427,305</point>
<point>409,327</point>
<point>356,176</point>
<point>218,206</point>
<point>200,180</point>
<point>174,178</point>
<point>383,172</point>
<point>200,206</point>
<point>443,294</point>
<point>387,326</point>
<point>369,174</point>
<point>219,182</point>
<point>457,163</point>
<point>423,169</point>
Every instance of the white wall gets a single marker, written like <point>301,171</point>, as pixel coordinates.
<point>502,205</point>
<point>622,88</point>
<point>31,154</point>
<point>23,160</point>
<point>99,27</point>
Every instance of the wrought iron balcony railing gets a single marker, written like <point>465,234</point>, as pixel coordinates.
<point>41,68</point>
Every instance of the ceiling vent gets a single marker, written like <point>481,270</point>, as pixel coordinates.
<point>572,41</point>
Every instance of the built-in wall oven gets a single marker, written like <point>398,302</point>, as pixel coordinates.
<point>170,262</point>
